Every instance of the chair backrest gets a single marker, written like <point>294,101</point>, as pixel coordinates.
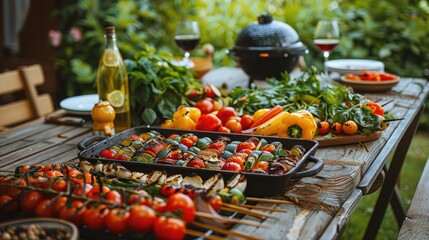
<point>34,105</point>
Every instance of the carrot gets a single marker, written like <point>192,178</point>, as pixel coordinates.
<point>267,116</point>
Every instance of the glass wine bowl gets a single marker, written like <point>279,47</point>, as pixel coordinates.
<point>187,37</point>
<point>326,38</point>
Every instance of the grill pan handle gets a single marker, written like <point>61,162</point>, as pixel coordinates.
<point>318,165</point>
<point>82,145</point>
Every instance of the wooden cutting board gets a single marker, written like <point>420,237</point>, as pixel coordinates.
<point>347,139</point>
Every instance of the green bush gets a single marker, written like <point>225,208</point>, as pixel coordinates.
<point>390,31</point>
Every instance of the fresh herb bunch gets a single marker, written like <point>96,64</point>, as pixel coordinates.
<point>328,101</point>
<point>157,86</point>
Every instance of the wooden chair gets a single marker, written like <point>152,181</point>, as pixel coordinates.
<point>33,106</point>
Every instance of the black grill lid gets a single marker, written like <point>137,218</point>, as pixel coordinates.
<point>269,35</point>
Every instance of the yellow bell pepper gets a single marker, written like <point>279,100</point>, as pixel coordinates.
<point>270,127</point>
<point>300,124</point>
<point>193,112</point>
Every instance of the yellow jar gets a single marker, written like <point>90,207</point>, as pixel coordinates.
<point>103,116</point>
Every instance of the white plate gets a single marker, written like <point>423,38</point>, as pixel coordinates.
<point>369,86</point>
<point>346,66</point>
<point>81,105</point>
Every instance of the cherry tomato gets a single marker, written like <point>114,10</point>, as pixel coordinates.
<point>205,105</point>
<point>337,128</point>
<point>246,121</point>
<point>30,200</point>
<point>95,193</point>
<point>7,204</point>
<point>223,129</point>
<point>208,122</point>
<point>82,189</point>
<point>167,190</point>
<point>108,154</point>
<point>94,218</point>
<point>182,204</point>
<point>323,127</point>
<point>268,148</point>
<point>141,218</point>
<point>225,113</point>
<point>350,127</point>
<point>211,91</point>
<point>169,228</point>
<point>232,166</point>
<point>263,165</point>
<point>117,220</point>
<point>59,185</point>
<point>196,163</point>
<point>59,204</point>
<point>114,196</point>
<point>246,145</point>
<point>236,159</point>
<point>73,213</point>
<point>234,125</point>
<point>141,197</point>
<point>216,202</point>
<point>187,142</point>
<point>159,205</point>
<point>45,208</point>
<point>192,137</point>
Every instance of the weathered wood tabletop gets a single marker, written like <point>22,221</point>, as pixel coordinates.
<point>323,203</point>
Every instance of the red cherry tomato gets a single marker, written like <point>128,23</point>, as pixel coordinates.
<point>236,159</point>
<point>114,197</point>
<point>196,163</point>
<point>45,208</point>
<point>82,189</point>
<point>169,228</point>
<point>59,185</point>
<point>95,192</point>
<point>167,190</point>
<point>74,213</point>
<point>225,113</point>
<point>223,129</point>
<point>141,218</point>
<point>183,204</point>
<point>337,128</point>
<point>7,204</point>
<point>232,166</point>
<point>246,121</point>
<point>208,122</point>
<point>94,218</point>
<point>216,202</point>
<point>117,220</point>
<point>141,197</point>
<point>210,91</point>
<point>246,145</point>
<point>187,142</point>
<point>234,125</point>
<point>59,204</point>
<point>205,105</point>
<point>108,153</point>
<point>30,200</point>
<point>323,127</point>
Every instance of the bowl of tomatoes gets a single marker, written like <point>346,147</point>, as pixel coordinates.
<point>370,81</point>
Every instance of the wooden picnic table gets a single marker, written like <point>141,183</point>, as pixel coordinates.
<point>322,203</point>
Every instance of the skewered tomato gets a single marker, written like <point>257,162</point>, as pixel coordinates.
<point>246,145</point>
<point>108,153</point>
<point>169,228</point>
<point>232,166</point>
<point>183,204</point>
<point>141,218</point>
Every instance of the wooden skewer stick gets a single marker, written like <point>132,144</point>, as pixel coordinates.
<point>231,207</point>
<point>225,231</point>
<point>264,208</point>
<point>232,220</point>
<point>7,171</point>
<point>266,200</point>
<point>202,235</point>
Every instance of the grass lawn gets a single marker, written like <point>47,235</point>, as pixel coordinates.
<point>410,175</point>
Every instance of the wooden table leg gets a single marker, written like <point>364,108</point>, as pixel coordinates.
<point>389,185</point>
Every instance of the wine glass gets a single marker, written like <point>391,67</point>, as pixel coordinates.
<point>327,38</point>
<point>187,37</point>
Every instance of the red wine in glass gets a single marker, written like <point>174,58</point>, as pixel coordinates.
<point>187,42</point>
<point>326,45</point>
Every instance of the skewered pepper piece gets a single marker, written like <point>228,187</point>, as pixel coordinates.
<point>300,124</point>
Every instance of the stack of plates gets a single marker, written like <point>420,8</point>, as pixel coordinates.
<point>81,105</point>
<point>354,66</point>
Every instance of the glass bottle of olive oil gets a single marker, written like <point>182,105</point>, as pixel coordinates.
<point>112,81</point>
